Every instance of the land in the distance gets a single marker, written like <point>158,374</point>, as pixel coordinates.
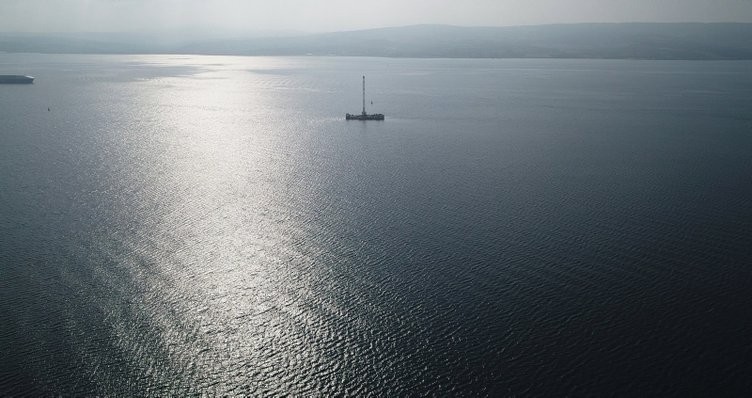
<point>692,41</point>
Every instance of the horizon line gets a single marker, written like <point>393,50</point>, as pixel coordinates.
<point>294,33</point>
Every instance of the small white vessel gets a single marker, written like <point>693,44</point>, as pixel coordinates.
<point>16,79</point>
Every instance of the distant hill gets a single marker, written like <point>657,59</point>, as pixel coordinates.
<point>698,41</point>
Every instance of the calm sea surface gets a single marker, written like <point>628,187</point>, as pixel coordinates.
<point>180,225</point>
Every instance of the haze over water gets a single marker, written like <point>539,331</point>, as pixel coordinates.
<point>180,225</point>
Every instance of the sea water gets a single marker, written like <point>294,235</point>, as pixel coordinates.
<point>193,225</point>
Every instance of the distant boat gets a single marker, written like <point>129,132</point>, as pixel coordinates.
<point>364,115</point>
<point>16,79</point>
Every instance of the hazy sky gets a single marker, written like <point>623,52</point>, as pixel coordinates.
<point>332,15</point>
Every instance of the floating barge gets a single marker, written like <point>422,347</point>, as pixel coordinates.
<point>16,79</point>
<point>364,116</point>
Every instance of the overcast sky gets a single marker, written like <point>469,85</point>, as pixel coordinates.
<point>334,15</point>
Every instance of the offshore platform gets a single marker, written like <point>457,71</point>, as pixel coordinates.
<point>364,115</point>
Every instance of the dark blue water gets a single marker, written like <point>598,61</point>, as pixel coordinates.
<point>178,226</point>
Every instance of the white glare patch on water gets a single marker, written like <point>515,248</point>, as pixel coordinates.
<point>213,245</point>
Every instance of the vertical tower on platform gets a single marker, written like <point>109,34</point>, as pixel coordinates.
<point>364,95</point>
<point>363,115</point>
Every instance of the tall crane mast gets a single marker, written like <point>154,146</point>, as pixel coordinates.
<point>364,95</point>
